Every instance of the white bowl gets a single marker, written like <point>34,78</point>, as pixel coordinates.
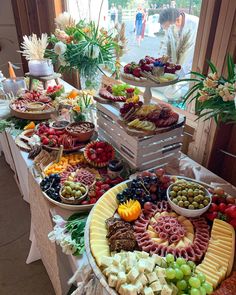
<point>188,212</point>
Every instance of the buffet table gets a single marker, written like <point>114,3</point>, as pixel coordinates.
<point>61,267</point>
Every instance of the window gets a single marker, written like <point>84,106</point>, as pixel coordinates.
<point>146,36</point>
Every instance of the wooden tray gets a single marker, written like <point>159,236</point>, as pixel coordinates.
<point>44,115</point>
<point>141,133</point>
<point>100,99</point>
<point>80,145</point>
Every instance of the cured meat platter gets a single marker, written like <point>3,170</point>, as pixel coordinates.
<point>163,247</point>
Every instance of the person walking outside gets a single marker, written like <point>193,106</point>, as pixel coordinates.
<point>139,24</point>
<point>145,15</point>
<point>113,13</point>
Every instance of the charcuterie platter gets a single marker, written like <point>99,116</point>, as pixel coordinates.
<point>137,244</point>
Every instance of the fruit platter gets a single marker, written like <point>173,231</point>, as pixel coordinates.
<point>32,105</point>
<point>116,93</point>
<point>151,72</point>
<point>78,180</point>
<point>137,243</point>
<point>72,136</point>
<point>152,118</point>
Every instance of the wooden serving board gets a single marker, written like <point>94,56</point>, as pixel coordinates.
<point>80,145</point>
<point>141,133</point>
<point>43,115</point>
<point>100,99</point>
<point>20,141</point>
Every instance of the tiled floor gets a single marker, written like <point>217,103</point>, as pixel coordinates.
<point>16,277</point>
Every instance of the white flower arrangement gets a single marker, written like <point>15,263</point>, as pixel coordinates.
<point>34,47</point>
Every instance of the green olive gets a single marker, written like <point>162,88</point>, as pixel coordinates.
<point>181,203</point>
<point>175,188</point>
<point>191,207</point>
<point>201,206</point>
<point>196,199</point>
<point>205,202</point>
<point>78,194</point>
<point>175,201</point>
<point>190,192</point>
<point>201,192</point>
<point>172,194</point>
<point>184,192</point>
<point>195,204</point>
<point>83,189</point>
<point>186,204</point>
<point>190,199</point>
<point>184,198</point>
<point>179,193</point>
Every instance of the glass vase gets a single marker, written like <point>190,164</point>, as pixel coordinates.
<point>91,80</point>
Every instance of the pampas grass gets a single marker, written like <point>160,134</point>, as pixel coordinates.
<point>64,20</point>
<point>34,47</point>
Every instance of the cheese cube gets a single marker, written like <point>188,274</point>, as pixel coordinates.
<point>175,290</point>
<point>106,261</point>
<point>157,259</point>
<point>143,279</point>
<point>161,272</point>
<point>150,264</point>
<point>148,291</point>
<point>112,269</point>
<point>139,286</point>
<point>142,265</point>
<point>116,259</point>
<point>152,277</point>
<point>121,279</point>
<point>141,254</point>
<point>156,286</point>
<point>133,274</point>
<point>162,280</point>
<point>129,289</point>
<point>112,280</point>
<point>166,290</point>
<point>131,260</point>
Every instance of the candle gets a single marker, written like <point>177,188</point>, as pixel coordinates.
<point>40,68</point>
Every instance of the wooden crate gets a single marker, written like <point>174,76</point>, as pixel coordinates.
<point>140,152</point>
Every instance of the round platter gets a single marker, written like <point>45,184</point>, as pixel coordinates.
<point>95,232</point>
<point>43,115</point>
<point>77,208</point>
<point>147,82</point>
<point>80,145</point>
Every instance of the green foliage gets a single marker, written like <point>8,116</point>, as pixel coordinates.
<point>75,226</point>
<point>87,49</point>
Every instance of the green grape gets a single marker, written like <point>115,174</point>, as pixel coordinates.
<point>194,282</point>
<point>202,290</point>
<point>182,285</point>
<point>207,287</point>
<point>191,264</point>
<point>195,291</point>
<point>186,269</point>
<point>170,273</point>
<point>180,261</point>
<point>174,265</point>
<point>170,258</point>
<point>179,274</point>
<point>201,277</point>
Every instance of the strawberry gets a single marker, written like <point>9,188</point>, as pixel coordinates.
<point>92,201</point>
<point>233,223</point>
<point>222,207</point>
<point>215,199</point>
<point>99,151</point>
<point>93,156</point>
<point>99,183</point>
<point>213,208</point>
<point>231,211</point>
<point>45,141</point>
<point>105,187</point>
<point>99,193</point>
<point>100,144</point>
<point>127,68</point>
<point>129,90</point>
<point>211,216</point>
<point>147,68</point>
<point>137,72</point>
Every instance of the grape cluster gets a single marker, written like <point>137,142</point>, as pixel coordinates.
<point>51,186</point>
<point>127,107</point>
<point>146,188</point>
<point>182,274</point>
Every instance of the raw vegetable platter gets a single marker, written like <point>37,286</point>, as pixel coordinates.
<point>200,259</point>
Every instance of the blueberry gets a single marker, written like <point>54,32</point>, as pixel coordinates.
<point>148,198</point>
<point>146,179</point>
<point>153,180</point>
<point>122,200</point>
<point>126,192</point>
<point>119,196</point>
<point>139,191</point>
